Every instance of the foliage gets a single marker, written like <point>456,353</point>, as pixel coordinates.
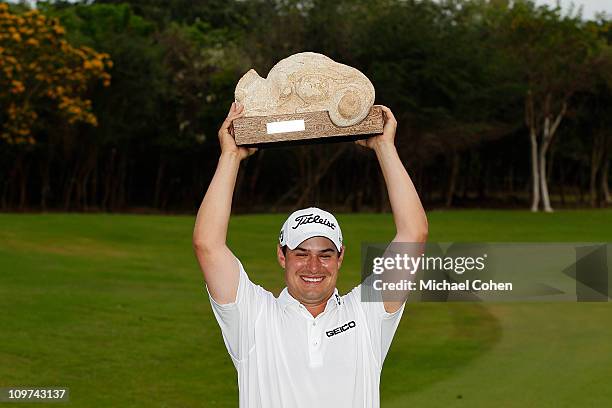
<point>456,74</point>
<point>555,52</point>
<point>133,102</point>
<point>42,73</point>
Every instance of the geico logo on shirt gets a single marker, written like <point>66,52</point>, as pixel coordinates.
<point>341,329</point>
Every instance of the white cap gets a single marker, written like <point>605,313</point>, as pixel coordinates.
<point>308,223</point>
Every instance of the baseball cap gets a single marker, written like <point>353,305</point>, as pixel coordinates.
<point>308,223</point>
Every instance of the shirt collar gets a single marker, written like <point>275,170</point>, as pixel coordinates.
<point>285,299</point>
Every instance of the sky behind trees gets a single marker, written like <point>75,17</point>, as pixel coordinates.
<point>589,7</point>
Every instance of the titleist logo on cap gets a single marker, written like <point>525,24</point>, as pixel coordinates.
<point>309,219</point>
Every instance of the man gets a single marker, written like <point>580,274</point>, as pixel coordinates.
<point>310,347</point>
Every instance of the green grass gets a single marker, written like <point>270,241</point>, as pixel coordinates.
<point>114,307</point>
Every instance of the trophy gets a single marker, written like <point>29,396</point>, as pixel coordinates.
<point>306,97</point>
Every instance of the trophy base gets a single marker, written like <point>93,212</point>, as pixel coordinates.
<point>306,127</point>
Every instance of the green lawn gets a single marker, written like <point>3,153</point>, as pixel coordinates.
<point>114,308</point>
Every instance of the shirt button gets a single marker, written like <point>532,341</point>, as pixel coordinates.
<point>315,343</point>
<point>314,323</point>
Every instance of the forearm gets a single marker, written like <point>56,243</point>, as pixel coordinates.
<point>408,213</point>
<point>214,213</point>
<point>409,216</point>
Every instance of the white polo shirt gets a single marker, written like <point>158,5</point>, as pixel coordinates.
<point>287,358</point>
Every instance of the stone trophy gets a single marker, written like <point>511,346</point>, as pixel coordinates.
<point>306,96</point>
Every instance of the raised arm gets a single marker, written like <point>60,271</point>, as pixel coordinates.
<point>217,262</point>
<point>408,213</point>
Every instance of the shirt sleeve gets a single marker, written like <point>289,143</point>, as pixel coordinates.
<point>237,320</point>
<point>381,324</point>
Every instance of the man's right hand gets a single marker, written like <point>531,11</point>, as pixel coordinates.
<point>226,134</point>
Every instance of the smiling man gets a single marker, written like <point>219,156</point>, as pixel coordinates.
<point>311,346</point>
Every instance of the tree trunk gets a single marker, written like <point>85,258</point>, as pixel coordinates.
<point>530,121</point>
<point>118,183</point>
<point>546,138</point>
<point>23,185</point>
<point>593,183</point>
<point>108,180</point>
<point>10,180</point>
<point>453,179</point>
<point>510,185</point>
<point>535,174</point>
<point>158,180</point>
<point>543,182</point>
<point>259,160</point>
<point>465,182</point>
<point>45,176</point>
<point>333,192</point>
<point>70,186</point>
<point>483,180</point>
<point>321,169</point>
<point>89,179</point>
<point>607,198</point>
<point>605,170</point>
<point>549,132</point>
<point>289,193</point>
<point>68,193</point>
<point>579,177</point>
<point>94,183</point>
<point>83,177</point>
<point>4,197</point>
<point>597,155</point>
<point>300,158</point>
<point>562,183</point>
<point>120,203</point>
<point>91,163</point>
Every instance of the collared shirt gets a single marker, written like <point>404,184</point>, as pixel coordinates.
<point>287,358</point>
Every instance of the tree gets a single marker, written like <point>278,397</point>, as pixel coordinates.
<point>130,110</point>
<point>599,113</point>
<point>556,55</point>
<point>42,74</point>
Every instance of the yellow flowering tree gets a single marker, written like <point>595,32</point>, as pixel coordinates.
<point>41,72</point>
